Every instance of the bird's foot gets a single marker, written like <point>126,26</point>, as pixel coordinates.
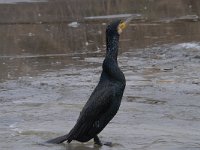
<point>107,144</point>
<point>97,141</point>
<point>104,143</point>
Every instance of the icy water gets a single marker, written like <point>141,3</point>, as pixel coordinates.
<point>19,1</point>
<point>50,62</point>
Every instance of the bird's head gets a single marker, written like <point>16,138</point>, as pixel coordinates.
<point>117,27</point>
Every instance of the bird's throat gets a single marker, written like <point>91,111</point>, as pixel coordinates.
<point>112,42</point>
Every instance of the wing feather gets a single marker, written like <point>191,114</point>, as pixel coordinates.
<point>96,106</point>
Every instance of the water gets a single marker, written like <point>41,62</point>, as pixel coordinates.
<point>19,1</point>
<point>51,61</point>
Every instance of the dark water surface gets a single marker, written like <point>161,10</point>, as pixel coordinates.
<point>50,61</point>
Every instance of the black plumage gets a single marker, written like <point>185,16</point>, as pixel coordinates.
<point>105,100</point>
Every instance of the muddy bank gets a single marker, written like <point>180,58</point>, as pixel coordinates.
<point>160,108</point>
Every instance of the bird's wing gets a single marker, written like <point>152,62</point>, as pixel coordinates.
<point>97,104</point>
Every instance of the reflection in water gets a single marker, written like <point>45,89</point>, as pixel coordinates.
<point>43,29</point>
<point>81,147</point>
<point>24,43</point>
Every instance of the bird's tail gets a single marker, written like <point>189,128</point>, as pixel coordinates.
<point>59,139</point>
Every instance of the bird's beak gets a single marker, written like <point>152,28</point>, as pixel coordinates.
<point>124,24</point>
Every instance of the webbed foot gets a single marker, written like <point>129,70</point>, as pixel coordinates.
<point>98,142</point>
<point>107,144</point>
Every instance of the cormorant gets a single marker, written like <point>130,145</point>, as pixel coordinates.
<point>105,100</point>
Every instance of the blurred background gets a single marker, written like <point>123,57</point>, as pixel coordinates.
<point>67,27</point>
<point>51,53</point>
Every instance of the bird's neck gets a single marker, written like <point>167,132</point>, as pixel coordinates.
<point>111,71</point>
<point>112,46</point>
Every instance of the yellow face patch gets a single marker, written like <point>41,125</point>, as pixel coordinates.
<point>122,25</point>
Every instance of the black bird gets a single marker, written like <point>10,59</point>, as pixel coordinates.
<point>105,100</point>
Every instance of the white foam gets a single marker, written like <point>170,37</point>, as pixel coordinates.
<point>192,45</point>
<point>73,24</point>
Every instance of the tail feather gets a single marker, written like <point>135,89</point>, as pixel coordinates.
<point>59,139</point>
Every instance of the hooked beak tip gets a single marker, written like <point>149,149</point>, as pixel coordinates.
<point>128,20</point>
